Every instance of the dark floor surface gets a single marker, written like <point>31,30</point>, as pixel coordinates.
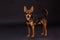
<point>19,32</point>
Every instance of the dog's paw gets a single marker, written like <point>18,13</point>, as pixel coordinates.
<point>45,33</point>
<point>28,35</point>
<point>32,36</point>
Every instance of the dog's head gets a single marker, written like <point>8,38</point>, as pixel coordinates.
<point>28,13</point>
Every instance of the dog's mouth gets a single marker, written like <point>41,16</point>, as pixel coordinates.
<point>28,18</point>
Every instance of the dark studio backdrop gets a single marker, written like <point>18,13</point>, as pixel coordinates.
<point>11,11</point>
<point>12,18</point>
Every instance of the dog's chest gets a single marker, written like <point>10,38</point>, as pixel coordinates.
<point>29,22</point>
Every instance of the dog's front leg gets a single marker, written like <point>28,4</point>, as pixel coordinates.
<point>33,33</point>
<point>28,31</point>
<point>32,26</point>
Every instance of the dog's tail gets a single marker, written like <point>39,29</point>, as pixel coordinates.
<point>45,12</point>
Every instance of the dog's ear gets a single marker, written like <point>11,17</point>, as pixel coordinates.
<point>25,9</point>
<point>31,9</point>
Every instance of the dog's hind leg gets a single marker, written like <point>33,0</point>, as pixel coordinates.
<point>44,28</point>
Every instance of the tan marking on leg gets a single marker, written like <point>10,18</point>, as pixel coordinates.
<point>44,23</point>
<point>44,27</point>
<point>32,26</point>
<point>28,32</point>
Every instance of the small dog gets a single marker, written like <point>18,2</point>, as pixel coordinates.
<point>29,20</point>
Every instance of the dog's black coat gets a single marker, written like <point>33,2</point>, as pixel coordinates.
<point>39,12</point>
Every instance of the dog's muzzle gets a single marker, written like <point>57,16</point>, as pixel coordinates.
<point>28,18</point>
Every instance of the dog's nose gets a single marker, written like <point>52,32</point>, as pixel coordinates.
<point>28,16</point>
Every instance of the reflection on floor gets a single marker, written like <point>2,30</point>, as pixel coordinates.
<point>20,33</point>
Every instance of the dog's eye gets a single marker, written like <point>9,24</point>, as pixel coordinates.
<point>26,12</point>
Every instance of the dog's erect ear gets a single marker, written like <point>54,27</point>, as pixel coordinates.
<point>25,9</point>
<point>31,9</point>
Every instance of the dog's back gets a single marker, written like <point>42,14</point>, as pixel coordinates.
<point>40,16</point>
